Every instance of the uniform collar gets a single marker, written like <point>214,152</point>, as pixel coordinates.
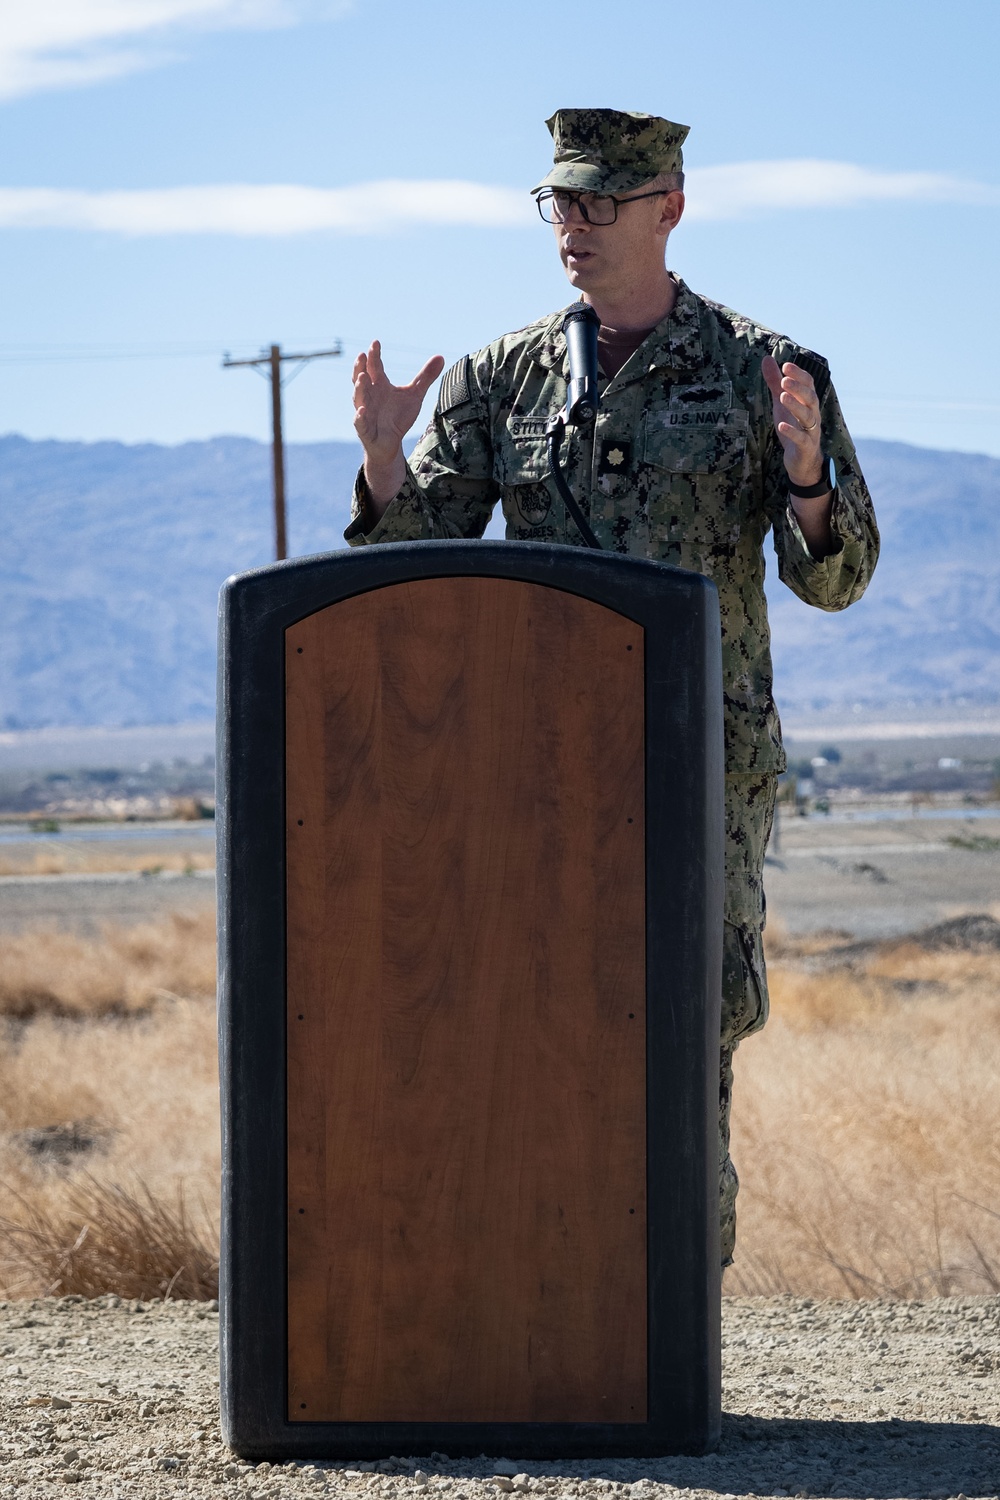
<point>676,343</point>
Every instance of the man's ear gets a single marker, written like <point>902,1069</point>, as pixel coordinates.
<point>670,212</point>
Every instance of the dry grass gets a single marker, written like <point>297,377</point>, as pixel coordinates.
<point>123,972</point>
<point>866,1124</point>
<point>101,1237</point>
<point>139,1095</point>
<point>867,1128</point>
<point>80,859</point>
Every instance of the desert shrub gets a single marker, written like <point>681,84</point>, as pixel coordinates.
<point>109,1128</point>
<point>866,1128</point>
<point>121,972</point>
<point>866,1121</point>
<point>100,1237</point>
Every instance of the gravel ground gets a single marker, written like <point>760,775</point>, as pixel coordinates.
<point>858,1399</point>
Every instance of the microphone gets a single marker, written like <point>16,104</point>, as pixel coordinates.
<point>580,326</point>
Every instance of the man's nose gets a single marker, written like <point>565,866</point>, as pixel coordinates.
<point>574,216</point>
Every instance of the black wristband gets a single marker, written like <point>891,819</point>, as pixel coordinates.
<point>813,491</point>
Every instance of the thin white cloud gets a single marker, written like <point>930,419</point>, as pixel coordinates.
<point>748,187</point>
<point>368,208</point>
<point>276,210</point>
<point>51,44</point>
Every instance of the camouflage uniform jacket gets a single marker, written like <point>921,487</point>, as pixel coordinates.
<point>683,465</point>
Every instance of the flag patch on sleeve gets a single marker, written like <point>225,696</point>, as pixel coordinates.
<point>456,385</point>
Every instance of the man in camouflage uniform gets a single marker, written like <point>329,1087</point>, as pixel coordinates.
<point>711,431</point>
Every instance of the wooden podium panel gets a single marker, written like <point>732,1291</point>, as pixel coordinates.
<point>470,861</point>
<point>466,1007</point>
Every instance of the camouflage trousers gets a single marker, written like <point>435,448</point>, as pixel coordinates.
<point>749,814</point>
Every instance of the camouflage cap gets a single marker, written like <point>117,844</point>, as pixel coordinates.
<point>611,150</point>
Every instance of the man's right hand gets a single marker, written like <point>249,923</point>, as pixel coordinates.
<point>383,415</point>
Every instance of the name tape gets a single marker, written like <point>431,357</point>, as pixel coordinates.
<point>527,427</point>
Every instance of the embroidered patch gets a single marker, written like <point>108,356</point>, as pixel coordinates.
<point>718,394</point>
<point>527,428</point>
<point>456,387</point>
<point>683,418</point>
<point>615,457</point>
<point>533,504</point>
<point>699,405</point>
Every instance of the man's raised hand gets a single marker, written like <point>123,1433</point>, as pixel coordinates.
<point>795,407</point>
<point>383,415</point>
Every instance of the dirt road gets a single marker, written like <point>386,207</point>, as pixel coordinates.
<point>880,879</point>
<point>869,879</point>
<point>857,1399</point>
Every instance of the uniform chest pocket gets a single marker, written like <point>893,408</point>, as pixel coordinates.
<point>521,461</point>
<point>692,442</point>
<point>696,477</point>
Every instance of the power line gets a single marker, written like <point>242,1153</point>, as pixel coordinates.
<point>269,365</point>
<point>19,354</point>
<point>13,353</point>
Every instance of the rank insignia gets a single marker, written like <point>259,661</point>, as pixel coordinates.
<point>615,457</point>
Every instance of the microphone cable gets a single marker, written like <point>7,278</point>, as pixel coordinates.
<point>553,443</point>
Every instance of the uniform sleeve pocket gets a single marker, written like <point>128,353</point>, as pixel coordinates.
<point>744,982</point>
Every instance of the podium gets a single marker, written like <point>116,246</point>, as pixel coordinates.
<point>470,919</point>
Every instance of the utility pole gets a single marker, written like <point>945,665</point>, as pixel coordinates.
<point>269,365</point>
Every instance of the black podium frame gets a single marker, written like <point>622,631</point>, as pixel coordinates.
<point>679,613</point>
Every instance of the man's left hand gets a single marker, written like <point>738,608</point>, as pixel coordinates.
<point>795,407</point>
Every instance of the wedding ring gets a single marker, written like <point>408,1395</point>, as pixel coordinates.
<point>812,428</point>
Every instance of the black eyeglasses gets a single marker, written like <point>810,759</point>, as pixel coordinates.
<point>555,205</point>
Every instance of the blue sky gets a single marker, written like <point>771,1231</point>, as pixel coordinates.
<point>183,177</point>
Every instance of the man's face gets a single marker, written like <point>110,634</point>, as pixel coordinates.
<point>605,258</point>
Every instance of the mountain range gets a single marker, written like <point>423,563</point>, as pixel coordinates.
<point>113,554</point>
